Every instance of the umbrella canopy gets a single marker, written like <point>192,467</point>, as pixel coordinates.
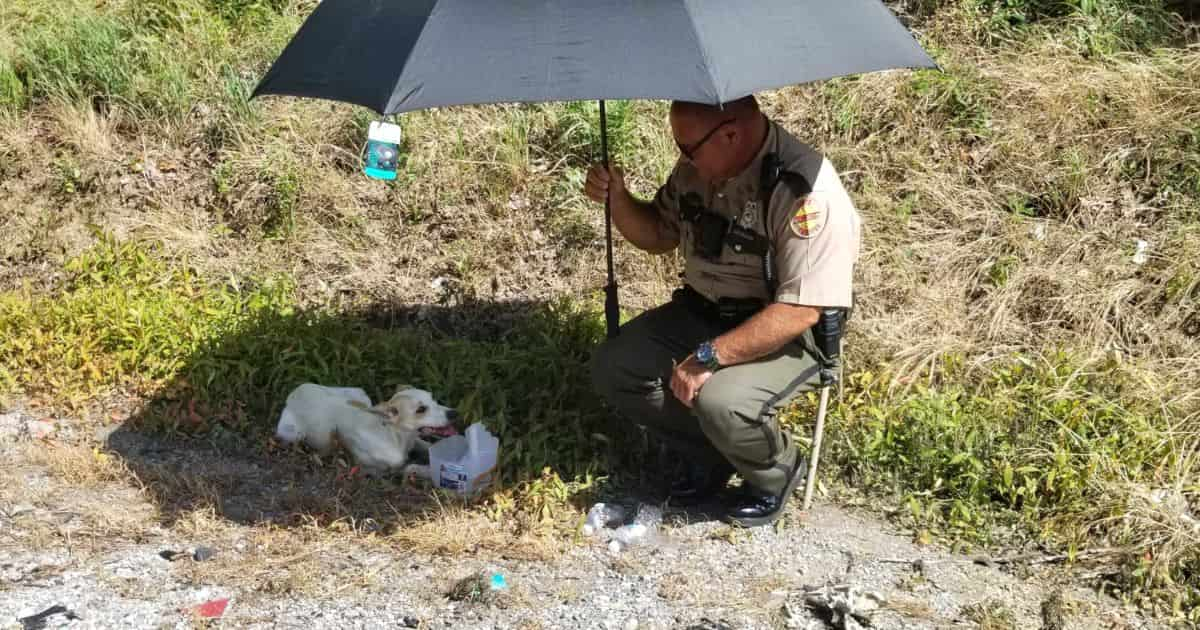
<point>394,56</point>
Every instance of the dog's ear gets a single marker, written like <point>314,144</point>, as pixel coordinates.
<point>358,404</point>
<point>403,387</point>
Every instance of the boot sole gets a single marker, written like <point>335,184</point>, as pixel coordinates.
<point>758,521</point>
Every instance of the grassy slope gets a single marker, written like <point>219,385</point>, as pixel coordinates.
<point>1013,368</point>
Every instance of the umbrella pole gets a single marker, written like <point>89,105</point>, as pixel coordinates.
<point>818,433</point>
<point>612,305</point>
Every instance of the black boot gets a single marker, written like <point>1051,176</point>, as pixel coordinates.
<point>697,483</point>
<point>753,507</point>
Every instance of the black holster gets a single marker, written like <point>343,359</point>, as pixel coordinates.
<point>827,337</point>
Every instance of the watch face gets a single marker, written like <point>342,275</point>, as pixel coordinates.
<point>704,353</point>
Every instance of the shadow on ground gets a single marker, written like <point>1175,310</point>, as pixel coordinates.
<point>205,440</point>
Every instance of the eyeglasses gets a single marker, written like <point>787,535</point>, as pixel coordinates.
<point>690,152</point>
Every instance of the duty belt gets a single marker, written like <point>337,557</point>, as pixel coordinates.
<point>725,311</point>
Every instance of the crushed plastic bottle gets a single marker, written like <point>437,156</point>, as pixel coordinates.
<point>1039,231</point>
<point>649,515</point>
<point>639,532</point>
<point>603,515</point>
<point>629,535</point>
<point>1139,253</point>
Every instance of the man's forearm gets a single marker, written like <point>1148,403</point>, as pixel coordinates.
<point>769,330</point>
<point>641,225</point>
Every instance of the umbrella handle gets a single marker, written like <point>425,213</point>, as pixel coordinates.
<point>612,304</point>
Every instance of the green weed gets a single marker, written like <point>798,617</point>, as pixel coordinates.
<point>1037,443</point>
<point>575,132</point>
<point>83,57</point>
<point>12,90</point>
<point>1095,27</point>
<point>957,95</point>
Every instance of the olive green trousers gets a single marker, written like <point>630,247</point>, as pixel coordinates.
<point>733,418</point>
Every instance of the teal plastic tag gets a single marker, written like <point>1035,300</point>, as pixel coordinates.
<point>498,583</point>
<point>382,159</point>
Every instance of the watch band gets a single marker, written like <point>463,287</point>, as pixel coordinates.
<point>707,355</point>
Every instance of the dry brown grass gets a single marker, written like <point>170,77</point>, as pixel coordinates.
<point>79,497</point>
<point>457,530</point>
<point>79,465</point>
<point>1158,522</point>
<point>1050,143</point>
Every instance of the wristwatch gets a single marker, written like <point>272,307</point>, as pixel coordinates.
<point>706,354</point>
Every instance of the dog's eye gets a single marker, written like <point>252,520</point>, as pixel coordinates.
<point>422,409</point>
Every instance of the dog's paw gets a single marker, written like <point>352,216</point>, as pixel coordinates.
<point>418,470</point>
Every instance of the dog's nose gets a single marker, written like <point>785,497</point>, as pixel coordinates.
<point>451,415</point>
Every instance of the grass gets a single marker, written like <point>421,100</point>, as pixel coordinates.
<point>990,615</point>
<point>131,321</point>
<point>1016,375</point>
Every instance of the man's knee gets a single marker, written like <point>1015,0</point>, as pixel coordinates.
<point>716,407</point>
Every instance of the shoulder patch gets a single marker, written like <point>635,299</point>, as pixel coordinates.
<point>809,217</point>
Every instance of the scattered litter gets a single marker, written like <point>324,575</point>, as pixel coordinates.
<point>42,429</point>
<point>479,587</point>
<point>844,606</point>
<point>465,463</point>
<point>19,510</point>
<point>1039,231</point>
<point>38,621</point>
<point>708,624</point>
<point>603,515</point>
<point>628,536</point>
<point>791,618</point>
<point>199,554</point>
<point>498,583</point>
<point>639,532</point>
<point>649,515</point>
<point>1139,253</point>
<point>150,169</point>
<point>212,609</point>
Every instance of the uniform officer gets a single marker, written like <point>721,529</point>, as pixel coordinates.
<point>769,238</point>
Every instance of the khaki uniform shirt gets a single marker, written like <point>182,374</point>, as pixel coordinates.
<point>815,240</point>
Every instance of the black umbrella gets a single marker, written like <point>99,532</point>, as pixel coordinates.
<point>394,56</point>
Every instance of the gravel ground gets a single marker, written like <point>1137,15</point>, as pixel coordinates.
<point>92,544</point>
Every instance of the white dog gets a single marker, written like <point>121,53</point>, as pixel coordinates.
<point>379,437</point>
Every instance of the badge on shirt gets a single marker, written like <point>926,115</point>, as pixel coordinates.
<point>808,219</point>
<point>749,213</point>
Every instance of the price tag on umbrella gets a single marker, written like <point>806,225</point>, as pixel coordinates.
<point>383,150</point>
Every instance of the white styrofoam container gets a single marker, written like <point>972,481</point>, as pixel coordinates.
<point>465,463</point>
